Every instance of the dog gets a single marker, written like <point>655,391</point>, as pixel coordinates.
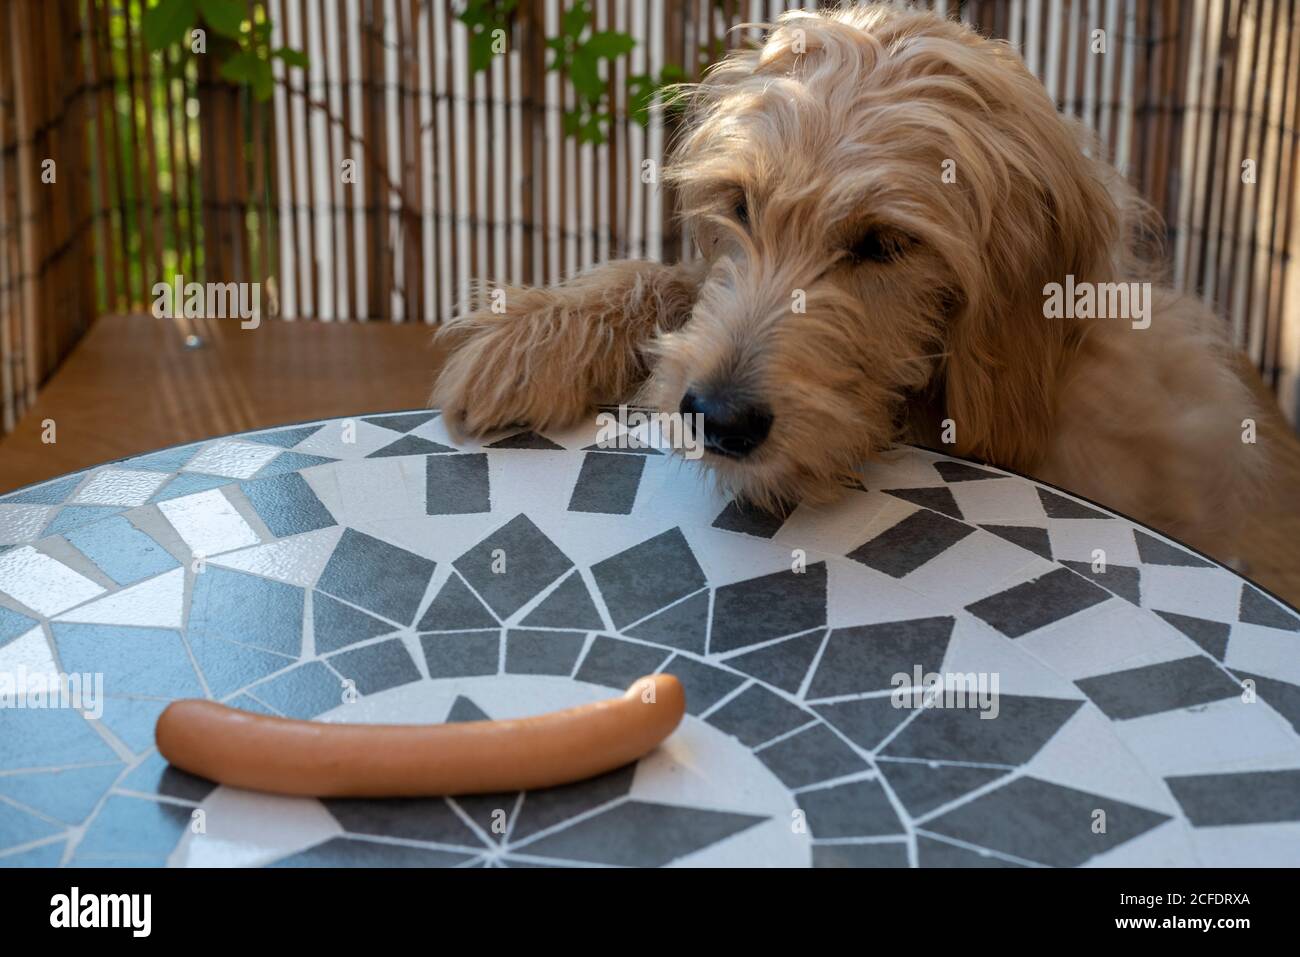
<point>887,206</point>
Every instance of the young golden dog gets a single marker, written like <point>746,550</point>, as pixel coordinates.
<point>884,200</point>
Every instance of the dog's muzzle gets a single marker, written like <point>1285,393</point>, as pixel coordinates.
<point>733,429</point>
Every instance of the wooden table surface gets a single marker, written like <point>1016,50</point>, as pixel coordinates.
<point>133,386</point>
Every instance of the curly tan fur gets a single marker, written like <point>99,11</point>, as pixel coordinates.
<point>843,122</point>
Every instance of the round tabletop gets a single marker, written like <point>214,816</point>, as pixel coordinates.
<point>949,666</point>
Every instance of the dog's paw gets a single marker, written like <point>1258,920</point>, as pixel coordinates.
<point>502,371</point>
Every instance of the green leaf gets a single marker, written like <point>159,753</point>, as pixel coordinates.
<point>240,68</point>
<point>575,19</point>
<point>224,16</point>
<point>608,44</point>
<point>292,57</point>
<point>572,122</point>
<point>168,22</point>
<point>585,76</point>
<point>263,80</point>
<point>480,51</point>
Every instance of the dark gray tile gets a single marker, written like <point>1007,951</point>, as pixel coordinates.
<point>937,498</point>
<point>410,445</point>
<point>769,606</point>
<point>1210,635</point>
<point>337,625</point>
<point>352,852</point>
<point>376,576</point>
<point>287,504</point>
<point>120,550</point>
<point>607,483</point>
<point>1121,580</point>
<point>377,667</point>
<point>811,756</point>
<point>1282,696</point>
<point>906,546</point>
<point>1256,608</point>
<point>960,472</point>
<point>133,827</point>
<point>924,787</point>
<point>1022,726</point>
<point>617,835</point>
<point>457,484</point>
<point>247,609</point>
<point>167,460</point>
<point>882,854</point>
<point>156,776</point>
<point>757,715</point>
<point>1152,551</point>
<point>132,720</point>
<point>704,684</point>
<point>864,721</point>
<point>187,483</point>
<point>1251,797</point>
<point>1058,506</point>
<point>1029,537</point>
<point>1043,822</point>
<point>546,808</point>
<point>684,625</point>
<point>568,606</point>
<point>932,853</point>
<point>304,692</point>
<point>1041,601</point>
<point>782,665</point>
<point>401,421</point>
<point>1151,689</point>
<point>866,658</point>
<point>542,652</point>
<point>413,819</point>
<point>51,493</point>
<point>461,654</point>
<point>456,608</point>
<point>856,809</point>
<point>463,709</point>
<point>292,462</point>
<point>747,519</point>
<point>527,440</point>
<point>648,576</point>
<point>617,663</point>
<point>531,562</point>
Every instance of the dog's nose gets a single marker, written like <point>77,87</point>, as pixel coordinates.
<point>733,429</point>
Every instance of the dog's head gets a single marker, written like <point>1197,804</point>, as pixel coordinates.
<point>881,196</point>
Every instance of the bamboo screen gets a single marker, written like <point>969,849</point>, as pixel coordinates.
<point>164,168</point>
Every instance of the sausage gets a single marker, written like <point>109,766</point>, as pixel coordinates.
<point>315,759</point>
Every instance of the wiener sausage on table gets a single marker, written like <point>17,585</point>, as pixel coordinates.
<point>315,759</point>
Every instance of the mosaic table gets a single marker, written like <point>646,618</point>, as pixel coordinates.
<point>373,569</point>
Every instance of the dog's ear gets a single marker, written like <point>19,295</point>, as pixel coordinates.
<point>1055,217</point>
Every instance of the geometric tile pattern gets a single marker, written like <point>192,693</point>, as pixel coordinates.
<point>953,666</point>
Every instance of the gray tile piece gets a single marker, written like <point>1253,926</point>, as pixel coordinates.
<point>1256,608</point>
<point>354,852</point>
<point>1153,551</point>
<point>1122,580</point>
<point>607,483</point>
<point>810,756</point>
<point>531,562</point>
<point>791,602</point>
<point>457,484</point>
<point>542,652</point>
<point>1022,726</point>
<point>1210,635</point>
<point>868,657</point>
<point>377,667</point>
<point>704,684</point>
<point>617,663</point>
<point>922,787</point>
<point>462,654</point>
<point>855,809</point>
<point>906,546</point>
<point>757,715</point>
<point>1043,822</point>
<point>568,606</point>
<point>1039,602</point>
<point>938,498</point>
<point>648,576</point>
<point>456,608</point>
<point>287,504</point>
<point>684,625</point>
<point>1029,537</point>
<point>748,520</point>
<point>376,576</point>
<point>1151,689</point>
<point>1250,797</point>
<point>876,854</point>
<point>782,665</point>
<point>1058,506</point>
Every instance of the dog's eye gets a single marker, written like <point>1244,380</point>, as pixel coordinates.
<point>879,246</point>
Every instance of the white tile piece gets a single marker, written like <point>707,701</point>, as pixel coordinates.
<point>248,829</point>
<point>998,501</point>
<point>30,651</point>
<point>42,583</point>
<point>297,561</point>
<point>20,524</point>
<point>1250,845</point>
<point>979,565</point>
<point>1113,636</point>
<point>117,486</point>
<point>208,523</point>
<point>1200,592</point>
<point>1264,651</point>
<point>1075,540</point>
<point>233,458</point>
<point>156,603</point>
<point>977,648</point>
<point>1227,735</point>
